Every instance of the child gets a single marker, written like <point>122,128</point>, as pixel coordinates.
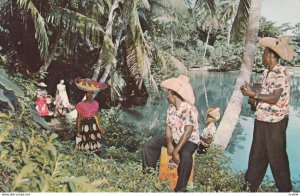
<point>41,102</point>
<point>206,138</point>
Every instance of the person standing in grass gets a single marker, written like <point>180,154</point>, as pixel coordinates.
<point>271,118</point>
<point>88,125</point>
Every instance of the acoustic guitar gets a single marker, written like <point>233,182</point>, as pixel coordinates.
<point>252,101</point>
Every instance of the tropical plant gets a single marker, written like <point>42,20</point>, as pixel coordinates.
<point>226,56</point>
<point>268,28</point>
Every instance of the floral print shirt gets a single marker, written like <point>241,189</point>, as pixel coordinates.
<point>275,79</point>
<point>209,131</point>
<point>186,114</point>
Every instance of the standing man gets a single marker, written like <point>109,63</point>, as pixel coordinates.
<point>181,137</point>
<point>271,118</point>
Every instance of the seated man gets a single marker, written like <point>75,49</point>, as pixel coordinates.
<point>181,136</point>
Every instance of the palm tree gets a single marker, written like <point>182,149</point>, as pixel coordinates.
<point>231,114</point>
<point>137,53</point>
<point>211,15</point>
<point>207,18</point>
<point>52,21</point>
<point>228,11</point>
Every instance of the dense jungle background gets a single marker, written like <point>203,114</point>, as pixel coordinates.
<point>132,45</point>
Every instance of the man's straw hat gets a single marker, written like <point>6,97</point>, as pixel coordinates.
<point>278,45</point>
<point>181,86</point>
<point>89,85</point>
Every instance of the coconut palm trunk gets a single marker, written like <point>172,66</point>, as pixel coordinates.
<point>108,32</point>
<point>122,25</point>
<point>52,52</point>
<point>232,112</point>
<point>206,43</point>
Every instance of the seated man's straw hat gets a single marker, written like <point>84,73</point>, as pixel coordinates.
<point>181,86</point>
<point>278,45</point>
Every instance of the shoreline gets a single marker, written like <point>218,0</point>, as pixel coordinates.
<point>294,70</point>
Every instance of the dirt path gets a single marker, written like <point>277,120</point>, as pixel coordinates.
<point>63,127</point>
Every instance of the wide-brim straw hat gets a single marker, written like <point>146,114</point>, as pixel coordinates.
<point>42,84</point>
<point>214,113</point>
<point>89,85</point>
<point>278,45</point>
<point>181,86</point>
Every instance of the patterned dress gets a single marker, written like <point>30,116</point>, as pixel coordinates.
<point>89,131</point>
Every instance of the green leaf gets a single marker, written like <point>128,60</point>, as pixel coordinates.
<point>9,85</point>
<point>26,171</point>
<point>5,99</point>
<point>37,118</point>
<point>4,133</point>
<point>71,186</point>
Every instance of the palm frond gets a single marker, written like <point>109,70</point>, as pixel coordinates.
<point>166,19</point>
<point>117,85</point>
<point>228,8</point>
<point>138,53</point>
<point>76,22</point>
<point>106,2</point>
<point>210,5</point>
<point>39,24</point>
<point>168,6</point>
<point>240,23</point>
<point>144,4</point>
<point>206,20</point>
<point>189,3</point>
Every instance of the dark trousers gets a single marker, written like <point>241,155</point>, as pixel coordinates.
<point>151,154</point>
<point>269,146</point>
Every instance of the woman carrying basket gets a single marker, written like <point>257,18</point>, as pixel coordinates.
<point>88,125</point>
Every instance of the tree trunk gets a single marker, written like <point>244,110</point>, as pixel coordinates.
<point>108,32</point>
<point>172,41</point>
<point>230,24</point>
<point>117,44</point>
<point>52,53</point>
<point>232,112</point>
<point>206,44</point>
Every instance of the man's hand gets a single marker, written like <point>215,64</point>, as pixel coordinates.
<point>175,157</point>
<point>170,149</point>
<point>247,90</point>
